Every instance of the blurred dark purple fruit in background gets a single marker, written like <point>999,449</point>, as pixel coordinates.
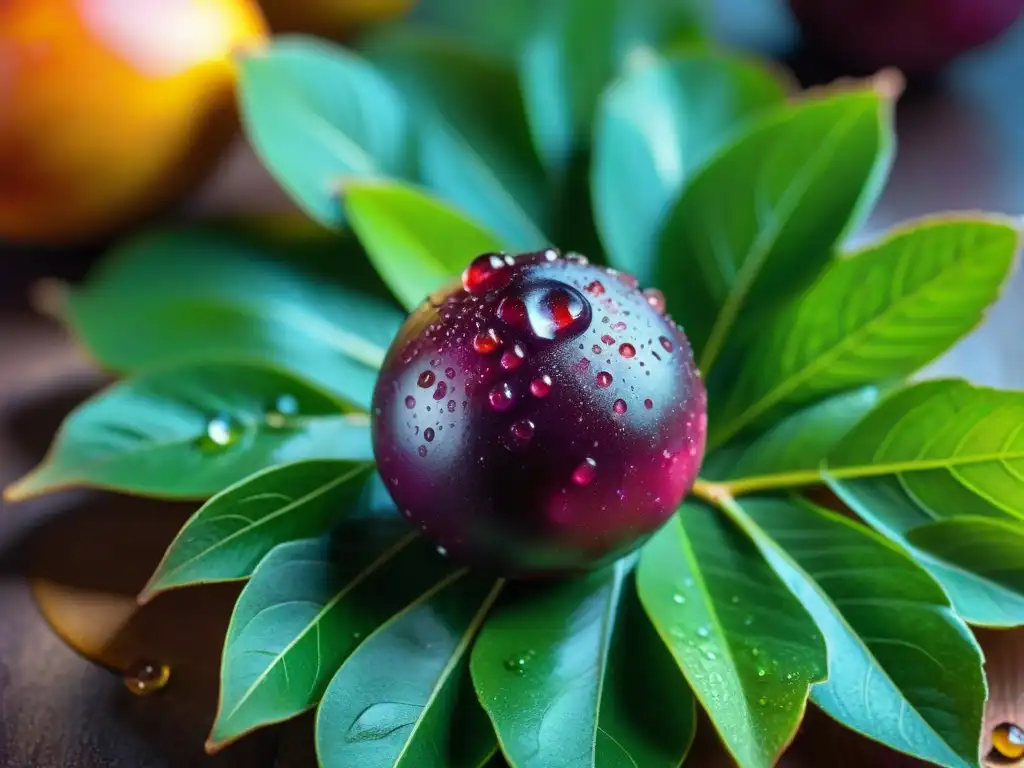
<point>542,417</point>
<point>917,36</point>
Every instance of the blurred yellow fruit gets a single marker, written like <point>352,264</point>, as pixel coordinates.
<point>111,108</point>
<point>330,18</point>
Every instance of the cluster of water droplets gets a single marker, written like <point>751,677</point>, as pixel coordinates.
<point>223,429</point>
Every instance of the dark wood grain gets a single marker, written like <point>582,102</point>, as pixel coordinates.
<point>960,148</point>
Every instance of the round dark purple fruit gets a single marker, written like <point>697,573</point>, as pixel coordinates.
<point>542,417</point>
<point>917,36</point>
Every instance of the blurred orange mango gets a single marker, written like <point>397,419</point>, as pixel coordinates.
<point>335,19</point>
<point>111,108</point>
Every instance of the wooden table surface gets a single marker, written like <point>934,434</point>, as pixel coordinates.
<point>961,147</point>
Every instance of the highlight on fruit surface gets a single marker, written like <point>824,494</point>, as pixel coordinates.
<point>111,108</point>
<point>543,416</point>
<point>918,36</point>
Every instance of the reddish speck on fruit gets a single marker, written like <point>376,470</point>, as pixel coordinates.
<point>553,462</point>
<point>656,299</point>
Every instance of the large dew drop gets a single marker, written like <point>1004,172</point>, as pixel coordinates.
<point>488,272</point>
<point>556,311</point>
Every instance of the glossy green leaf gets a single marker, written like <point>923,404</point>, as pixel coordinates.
<point>308,606</point>
<point>473,139</point>
<point>228,537</point>
<point>800,442</point>
<point>981,584</point>
<point>881,313</point>
<point>417,243</point>
<point>760,220</point>
<point>404,699</point>
<point>747,647</point>
<point>577,47</point>
<point>980,562</point>
<point>573,675</point>
<point>318,115</point>
<point>258,289</point>
<point>957,449</point>
<point>191,431</point>
<point>903,668</point>
<point>654,128</point>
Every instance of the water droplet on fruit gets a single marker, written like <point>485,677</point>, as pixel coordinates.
<point>449,372</point>
<point>422,450</point>
<point>501,396</point>
<point>513,358</point>
<point>425,379</point>
<point>607,339</point>
<point>678,598</point>
<point>522,430</point>
<point>512,311</point>
<point>604,379</point>
<point>596,349</point>
<point>656,299</point>
<point>410,402</point>
<point>441,391</point>
<point>648,403</point>
<point>557,311</point>
<point>595,288</point>
<point>619,326</point>
<point>585,472</point>
<point>619,406</point>
<point>486,342</point>
<point>666,344</point>
<point>487,272</point>
<point>146,676</point>
<point>540,387</point>
<point>221,432</point>
<point>626,278</point>
<point>627,351</point>
<point>451,406</point>
<point>428,434</point>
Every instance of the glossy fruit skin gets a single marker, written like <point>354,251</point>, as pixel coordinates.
<point>917,36</point>
<point>111,108</point>
<point>549,462</point>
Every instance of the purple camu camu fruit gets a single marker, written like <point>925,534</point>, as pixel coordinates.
<point>541,418</point>
<point>917,36</point>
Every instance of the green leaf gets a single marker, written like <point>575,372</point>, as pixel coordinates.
<point>761,219</point>
<point>957,449</point>
<point>417,243</point>
<point>318,115</point>
<point>654,128</point>
<point>190,431</point>
<point>799,442</point>
<point>575,49</point>
<point>980,563</point>
<point>474,142</point>
<point>878,314</point>
<point>231,534</point>
<point>404,698</point>
<point>903,669</point>
<point>572,675</point>
<point>983,589</point>
<point>747,647</point>
<point>174,286</point>
<point>308,606</point>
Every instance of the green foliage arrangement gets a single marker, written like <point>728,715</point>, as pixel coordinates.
<point>249,352</point>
